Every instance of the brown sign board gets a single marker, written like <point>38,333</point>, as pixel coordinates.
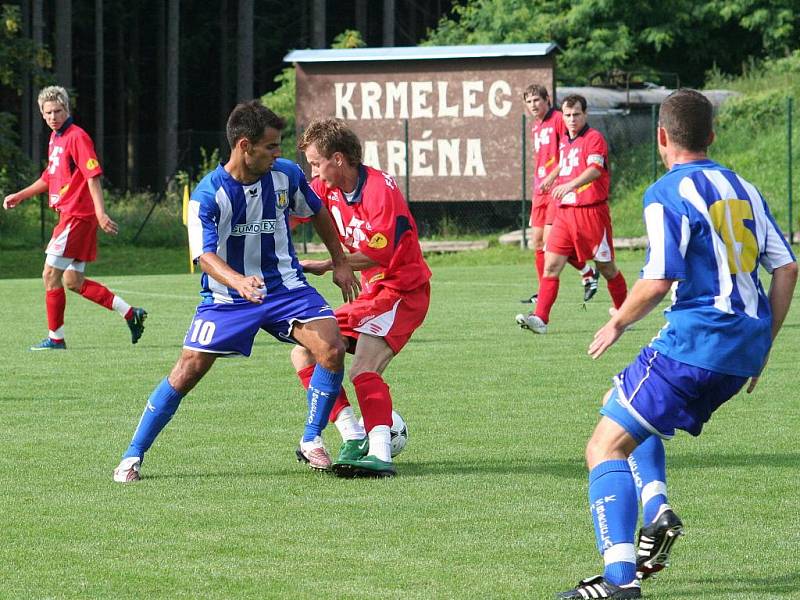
<point>448,126</point>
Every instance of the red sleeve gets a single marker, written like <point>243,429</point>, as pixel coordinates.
<point>84,155</point>
<point>387,214</point>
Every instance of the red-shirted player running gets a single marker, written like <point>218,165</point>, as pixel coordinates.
<point>547,131</point>
<point>582,226</point>
<point>376,226</point>
<point>72,179</point>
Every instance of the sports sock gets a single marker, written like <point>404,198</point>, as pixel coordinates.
<point>540,264</point>
<point>122,307</point>
<point>347,424</point>
<point>580,265</point>
<point>618,289</point>
<point>548,292</point>
<point>374,400</point>
<point>380,442</point>
<point>649,468</point>
<point>161,405</point>
<point>55,302</point>
<point>612,500</point>
<point>323,388</point>
<point>341,403</point>
<point>97,293</point>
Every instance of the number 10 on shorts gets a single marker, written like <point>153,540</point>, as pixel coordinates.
<point>202,332</point>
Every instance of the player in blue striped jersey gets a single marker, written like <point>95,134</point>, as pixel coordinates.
<point>708,230</point>
<point>239,235</point>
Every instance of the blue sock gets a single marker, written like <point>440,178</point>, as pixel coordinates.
<point>649,466</point>
<point>161,405</point>
<point>615,510</point>
<point>322,392</point>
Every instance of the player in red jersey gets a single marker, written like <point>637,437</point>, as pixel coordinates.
<point>72,179</point>
<point>547,131</point>
<point>583,221</point>
<point>376,227</point>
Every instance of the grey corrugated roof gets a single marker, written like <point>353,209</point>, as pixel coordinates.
<point>419,53</point>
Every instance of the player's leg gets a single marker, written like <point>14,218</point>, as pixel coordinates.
<point>160,408</point>
<point>55,303</point>
<point>76,281</point>
<point>617,286</point>
<point>324,343</point>
<point>537,241</point>
<point>537,320</point>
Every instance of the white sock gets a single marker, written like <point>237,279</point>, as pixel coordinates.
<point>119,305</point>
<point>348,426</point>
<point>380,443</point>
<point>587,270</point>
<point>58,334</point>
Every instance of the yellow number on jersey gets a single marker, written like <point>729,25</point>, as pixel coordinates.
<point>728,217</point>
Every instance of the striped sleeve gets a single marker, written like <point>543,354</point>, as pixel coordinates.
<point>668,237</point>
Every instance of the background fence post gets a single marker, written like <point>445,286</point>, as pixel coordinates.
<point>523,241</point>
<point>654,130</point>
<point>408,170</point>
<point>789,102</point>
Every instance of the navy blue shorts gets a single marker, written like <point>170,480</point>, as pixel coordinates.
<point>657,395</point>
<point>231,328</point>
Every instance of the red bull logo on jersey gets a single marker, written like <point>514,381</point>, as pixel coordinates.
<point>255,228</point>
<point>92,164</point>
<point>378,241</point>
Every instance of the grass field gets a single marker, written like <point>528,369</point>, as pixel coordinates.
<point>490,500</point>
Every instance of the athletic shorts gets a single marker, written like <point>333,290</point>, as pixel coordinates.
<point>386,313</point>
<point>75,238</point>
<point>539,210</point>
<point>657,395</point>
<point>583,232</point>
<point>231,328</point>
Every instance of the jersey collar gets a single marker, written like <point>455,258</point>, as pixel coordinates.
<point>362,179</point>
<point>693,163</point>
<point>65,126</point>
<point>580,133</point>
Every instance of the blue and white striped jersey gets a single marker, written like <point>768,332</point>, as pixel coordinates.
<point>247,226</point>
<point>709,229</point>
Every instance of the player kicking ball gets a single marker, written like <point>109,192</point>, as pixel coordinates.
<point>708,231</point>
<point>374,223</point>
<point>239,234</point>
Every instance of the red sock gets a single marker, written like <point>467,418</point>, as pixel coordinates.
<point>548,292</point>
<point>618,289</point>
<point>55,301</point>
<point>578,264</point>
<point>341,400</point>
<point>540,264</point>
<point>374,400</point>
<point>97,293</point>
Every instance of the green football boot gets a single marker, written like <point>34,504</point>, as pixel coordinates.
<point>368,466</point>
<point>353,449</point>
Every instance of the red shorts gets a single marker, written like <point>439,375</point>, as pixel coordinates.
<point>75,238</point>
<point>583,232</point>
<point>543,210</point>
<point>386,313</point>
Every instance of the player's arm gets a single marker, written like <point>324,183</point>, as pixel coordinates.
<point>589,174</point>
<point>643,297</point>
<point>781,291</point>
<point>96,191</point>
<point>549,179</point>
<point>343,275</point>
<point>37,187</point>
<point>249,287</point>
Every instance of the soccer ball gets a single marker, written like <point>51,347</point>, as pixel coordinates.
<point>398,432</point>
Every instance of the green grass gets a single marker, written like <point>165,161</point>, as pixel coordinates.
<point>490,501</point>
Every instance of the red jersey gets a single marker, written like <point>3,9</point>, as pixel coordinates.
<point>72,161</point>
<point>547,135</point>
<point>376,221</point>
<point>588,149</point>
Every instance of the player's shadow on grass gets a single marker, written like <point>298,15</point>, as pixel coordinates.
<point>707,460</point>
<point>565,469</point>
<point>724,586</point>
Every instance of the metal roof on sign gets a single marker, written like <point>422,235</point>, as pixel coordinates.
<point>419,53</point>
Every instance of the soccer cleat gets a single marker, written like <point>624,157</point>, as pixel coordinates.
<point>532,300</point>
<point>655,543</point>
<point>136,324</point>
<point>353,449</point>
<point>590,286</point>
<point>368,466</point>
<point>532,323</point>
<point>49,344</point>
<point>128,470</point>
<point>598,587</point>
<point>314,454</point>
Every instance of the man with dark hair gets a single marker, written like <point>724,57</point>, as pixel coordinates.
<point>547,130</point>
<point>708,230</point>
<point>239,235</point>
<point>375,225</point>
<point>582,227</point>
